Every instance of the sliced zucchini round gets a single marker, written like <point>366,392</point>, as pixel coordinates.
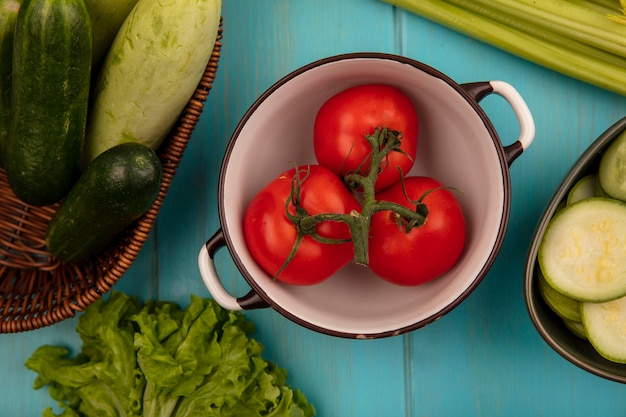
<point>583,251</point>
<point>605,326</point>
<point>584,188</point>
<point>565,307</point>
<point>612,169</point>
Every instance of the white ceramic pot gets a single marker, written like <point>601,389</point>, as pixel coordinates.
<point>457,145</point>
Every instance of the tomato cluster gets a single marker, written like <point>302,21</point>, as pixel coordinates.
<point>357,204</point>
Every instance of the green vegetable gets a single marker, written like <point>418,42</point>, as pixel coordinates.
<point>582,39</point>
<point>581,253</point>
<point>585,187</point>
<point>115,190</point>
<point>107,17</point>
<point>565,307</point>
<point>50,93</point>
<point>612,169</point>
<point>160,360</point>
<point>8,16</point>
<point>151,71</point>
<point>604,325</point>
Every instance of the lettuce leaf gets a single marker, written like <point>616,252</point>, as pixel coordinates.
<point>159,360</point>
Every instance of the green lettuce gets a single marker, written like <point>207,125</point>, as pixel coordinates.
<point>159,360</point>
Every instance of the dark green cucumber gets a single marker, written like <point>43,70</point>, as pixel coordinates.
<point>50,93</point>
<point>116,189</point>
<point>8,16</point>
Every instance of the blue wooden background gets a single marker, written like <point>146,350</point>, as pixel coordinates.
<point>484,358</point>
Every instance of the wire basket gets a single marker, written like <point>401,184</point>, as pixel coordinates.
<point>37,290</point>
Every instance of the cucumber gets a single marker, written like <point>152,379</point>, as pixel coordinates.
<point>8,15</point>
<point>150,72</point>
<point>565,307</point>
<point>50,95</point>
<point>107,17</point>
<point>583,188</point>
<point>115,190</point>
<point>605,326</point>
<point>612,168</point>
<point>583,251</point>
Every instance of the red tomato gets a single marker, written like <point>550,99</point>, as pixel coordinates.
<point>425,252</point>
<point>343,121</point>
<point>270,234</point>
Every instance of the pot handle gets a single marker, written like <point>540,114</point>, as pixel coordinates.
<point>211,279</point>
<point>479,90</point>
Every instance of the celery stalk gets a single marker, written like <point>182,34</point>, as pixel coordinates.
<point>574,21</point>
<point>540,31</point>
<point>532,42</point>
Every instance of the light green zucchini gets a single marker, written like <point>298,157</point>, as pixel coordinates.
<point>565,307</point>
<point>150,72</point>
<point>612,169</point>
<point>584,188</point>
<point>604,325</point>
<point>582,254</point>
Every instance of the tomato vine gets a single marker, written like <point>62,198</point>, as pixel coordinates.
<point>383,141</point>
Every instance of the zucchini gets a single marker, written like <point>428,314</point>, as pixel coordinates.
<point>115,190</point>
<point>50,95</point>
<point>583,251</point>
<point>583,188</point>
<point>8,15</point>
<point>150,72</point>
<point>605,327</point>
<point>612,169</point>
<point>107,17</point>
<point>565,307</point>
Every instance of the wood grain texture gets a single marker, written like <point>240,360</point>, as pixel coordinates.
<point>483,359</point>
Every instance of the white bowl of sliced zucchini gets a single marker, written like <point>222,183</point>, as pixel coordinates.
<point>575,278</point>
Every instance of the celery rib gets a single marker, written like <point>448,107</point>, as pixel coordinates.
<point>563,17</point>
<point>542,31</point>
<point>552,50</point>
